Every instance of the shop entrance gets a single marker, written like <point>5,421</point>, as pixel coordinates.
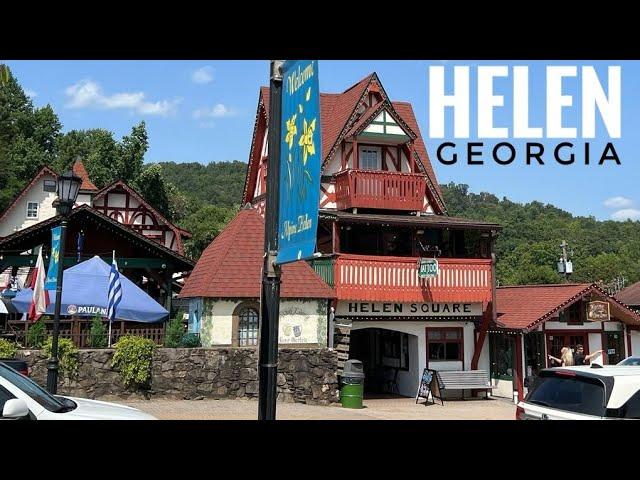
<point>534,358</point>
<point>613,347</point>
<point>557,340</point>
<point>389,358</point>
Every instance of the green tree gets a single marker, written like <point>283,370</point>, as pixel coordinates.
<point>131,153</point>
<point>205,225</point>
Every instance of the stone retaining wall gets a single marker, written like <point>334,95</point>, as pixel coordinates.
<point>304,375</point>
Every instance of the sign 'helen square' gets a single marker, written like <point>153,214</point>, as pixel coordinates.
<point>300,147</point>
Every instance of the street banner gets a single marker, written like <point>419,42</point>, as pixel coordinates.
<point>299,161</point>
<point>54,260</point>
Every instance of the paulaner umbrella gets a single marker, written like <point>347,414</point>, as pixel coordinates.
<point>85,291</point>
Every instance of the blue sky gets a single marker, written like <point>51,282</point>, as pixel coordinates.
<point>204,111</point>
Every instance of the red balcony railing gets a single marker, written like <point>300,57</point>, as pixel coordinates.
<point>371,278</point>
<point>379,189</point>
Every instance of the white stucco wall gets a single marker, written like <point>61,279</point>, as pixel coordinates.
<point>408,380</point>
<point>635,343</point>
<point>595,343</point>
<point>17,219</point>
<point>302,321</point>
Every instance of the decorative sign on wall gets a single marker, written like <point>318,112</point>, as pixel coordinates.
<point>427,268</point>
<point>598,311</point>
<point>391,309</point>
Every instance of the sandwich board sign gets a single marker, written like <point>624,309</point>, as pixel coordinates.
<point>429,385</point>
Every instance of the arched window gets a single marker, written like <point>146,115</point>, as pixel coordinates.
<point>247,327</point>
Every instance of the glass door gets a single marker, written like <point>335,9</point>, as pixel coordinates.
<point>613,347</point>
<point>533,353</point>
<point>557,340</point>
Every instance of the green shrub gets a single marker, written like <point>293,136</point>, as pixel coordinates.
<point>174,332</point>
<point>190,340</point>
<point>36,334</point>
<point>98,333</point>
<point>8,348</point>
<point>67,355</point>
<point>132,358</point>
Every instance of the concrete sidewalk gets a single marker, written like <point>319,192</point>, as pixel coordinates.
<point>375,409</point>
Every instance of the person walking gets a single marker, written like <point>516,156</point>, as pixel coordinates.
<point>566,357</point>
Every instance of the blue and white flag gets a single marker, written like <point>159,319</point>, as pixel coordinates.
<point>115,290</point>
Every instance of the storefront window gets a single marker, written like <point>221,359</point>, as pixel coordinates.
<point>573,315</point>
<point>501,348</point>
<point>444,344</point>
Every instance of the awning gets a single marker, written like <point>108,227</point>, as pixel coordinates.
<point>85,293</point>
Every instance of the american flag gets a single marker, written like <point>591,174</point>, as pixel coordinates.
<point>115,290</point>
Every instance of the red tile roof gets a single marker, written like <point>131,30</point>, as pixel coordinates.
<point>336,111</point>
<point>630,295</point>
<point>231,266</point>
<point>523,307</point>
<point>79,170</point>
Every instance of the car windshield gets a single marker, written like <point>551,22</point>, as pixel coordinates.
<point>635,361</point>
<point>570,393</point>
<point>31,388</point>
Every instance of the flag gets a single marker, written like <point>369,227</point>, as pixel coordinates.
<point>40,298</point>
<point>115,290</point>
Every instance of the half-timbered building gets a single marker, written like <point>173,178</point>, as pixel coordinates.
<point>381,212</point>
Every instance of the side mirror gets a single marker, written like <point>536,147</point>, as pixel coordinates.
<point>15,408</point>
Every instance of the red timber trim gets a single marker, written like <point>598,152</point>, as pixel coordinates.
<point>519,368</point>
<point>482,335</point>
<point>127,203</point>
<point>331,197</point>
<point>603,340</point>
<point>255,153</point>
<point>383,160</point>
<point>394,158</point>
<point>629,349</point>
<point>356,160</point>
<point>345,156</point>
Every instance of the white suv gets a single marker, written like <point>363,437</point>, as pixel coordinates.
<point>583,393</point>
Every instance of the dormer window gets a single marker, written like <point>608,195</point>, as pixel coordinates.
<point>369,158</point>
<point>32,210</point>
<point>50,186</point>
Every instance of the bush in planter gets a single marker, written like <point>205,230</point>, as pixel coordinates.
<point>174,333</point>
<point>67,355</point>
<point>98,333</point>
<point>190,340</point>
<point>132,358</point>
<point>8,348</point>
<point>36,334</point>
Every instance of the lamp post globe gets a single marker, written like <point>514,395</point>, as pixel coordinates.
<point>68,188</point>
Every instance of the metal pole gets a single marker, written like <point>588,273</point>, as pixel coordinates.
<point>52,366</point>
<point>270,305</point>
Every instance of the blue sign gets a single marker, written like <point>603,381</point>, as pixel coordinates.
<point>54,260</point>
<point>299,161</point>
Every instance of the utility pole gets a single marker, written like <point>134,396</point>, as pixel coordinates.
<point>270,305</point>
<point>565,266</point>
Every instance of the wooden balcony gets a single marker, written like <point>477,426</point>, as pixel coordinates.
<point>382,279</point>
<point>379,189</point>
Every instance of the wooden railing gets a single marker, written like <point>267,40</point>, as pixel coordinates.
<point>324,267</point>
<point>370,278</point>
<point>379,189</point>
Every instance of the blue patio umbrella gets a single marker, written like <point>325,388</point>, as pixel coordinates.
<point>85,290</point>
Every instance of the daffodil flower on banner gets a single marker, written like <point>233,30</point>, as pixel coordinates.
<point>292,130</point>
<point>306,140</point>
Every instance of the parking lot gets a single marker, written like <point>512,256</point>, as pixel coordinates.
<point>375,409</point>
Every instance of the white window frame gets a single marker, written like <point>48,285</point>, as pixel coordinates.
<point>37,210</point>
<point>44,185</point>
<point>362,149</point>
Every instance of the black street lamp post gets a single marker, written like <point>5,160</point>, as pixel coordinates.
<point>68,187</point>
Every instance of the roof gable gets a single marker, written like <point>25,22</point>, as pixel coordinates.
<point>231,266</point>
<point>43,171</point>
<point>630,295</point>
<point>342,114</point>
<point>524,307</point>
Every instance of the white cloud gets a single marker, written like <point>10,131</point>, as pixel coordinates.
<point>618,202</point>
<point>626,214</point>
<point>217,111</point>
<point>203,75</point>
<point>30,93</point>
<point>87,94</point>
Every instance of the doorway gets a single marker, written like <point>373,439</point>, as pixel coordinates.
<point>389,359</point>
<point>557,340</point>
<point>613,347</point>
<point>534,357</point>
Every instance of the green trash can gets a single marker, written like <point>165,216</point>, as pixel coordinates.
<point>352,384</point>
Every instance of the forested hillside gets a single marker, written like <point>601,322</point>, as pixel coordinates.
<point>529,245</point>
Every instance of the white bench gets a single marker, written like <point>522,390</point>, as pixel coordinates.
<point>464,380</point>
